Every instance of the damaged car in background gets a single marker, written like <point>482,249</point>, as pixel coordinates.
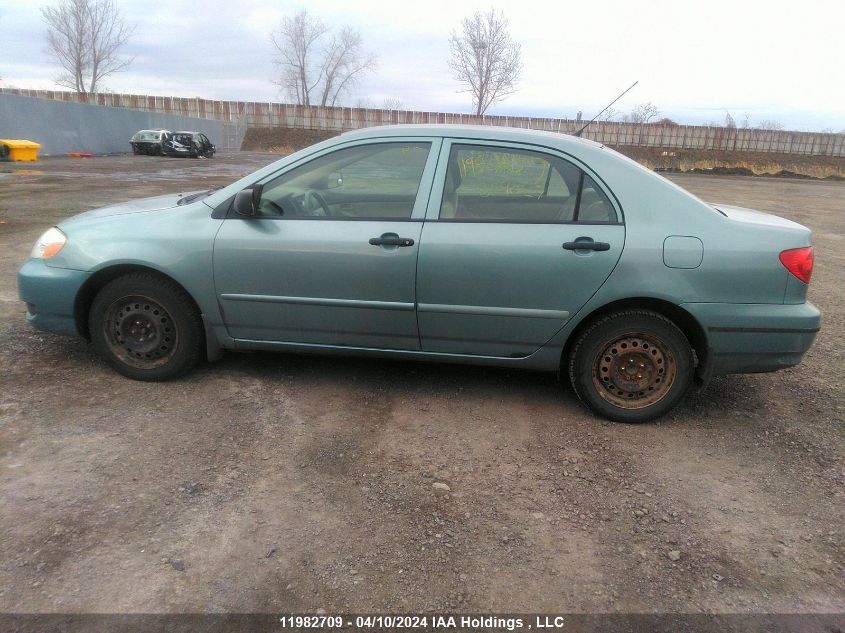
<point>149,142</point>
<point>188,144</point>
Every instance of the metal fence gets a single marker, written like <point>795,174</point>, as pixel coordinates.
<point>668,136</point>
<point>61,128</point>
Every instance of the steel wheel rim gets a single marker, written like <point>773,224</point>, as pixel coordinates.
<point>634,371</point>
<point>140,332</point>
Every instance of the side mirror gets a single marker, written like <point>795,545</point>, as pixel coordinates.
<point>247,200</point>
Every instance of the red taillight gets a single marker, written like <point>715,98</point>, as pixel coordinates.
<point>799,261</point>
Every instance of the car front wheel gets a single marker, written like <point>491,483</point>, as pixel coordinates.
<point>146,327</point>
<point>631,366</point>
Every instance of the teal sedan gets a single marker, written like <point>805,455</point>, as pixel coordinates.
<point>461,244</point>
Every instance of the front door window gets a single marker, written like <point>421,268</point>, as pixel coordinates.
<point>365,182</point>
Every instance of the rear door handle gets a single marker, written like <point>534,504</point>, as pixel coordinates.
<point>391,239</point>
<point>586,245</point>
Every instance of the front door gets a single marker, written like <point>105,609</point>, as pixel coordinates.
<point>516,241</point>
<point>331,257</point>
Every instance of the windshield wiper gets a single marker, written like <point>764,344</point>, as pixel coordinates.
<point>196,196</point>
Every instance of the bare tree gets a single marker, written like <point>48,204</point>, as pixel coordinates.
<point>643,113</point>
<point>392,103</point>
<point>297,41</point>
<point>85,37</point>
<point>729,121</point>
<point>611,114</point>
<point>769,124</point>
<point>316,66</point>
<point>345,61</point>
<point>485,59</point>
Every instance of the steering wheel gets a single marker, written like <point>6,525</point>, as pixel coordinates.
<point>321,209</point>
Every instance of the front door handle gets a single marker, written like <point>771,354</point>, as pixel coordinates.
<point>586,245</point>
<point>391,239</point>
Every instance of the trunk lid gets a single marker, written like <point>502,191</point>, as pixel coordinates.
<point>750,216</point>
<point>763,238</point>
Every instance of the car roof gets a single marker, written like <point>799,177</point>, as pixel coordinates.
<point>485,132</point>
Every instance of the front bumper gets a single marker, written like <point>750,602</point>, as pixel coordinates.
<point>752,337</point>
<point>50,294</point>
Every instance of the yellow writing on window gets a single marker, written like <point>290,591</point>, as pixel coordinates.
<point>488,173</point>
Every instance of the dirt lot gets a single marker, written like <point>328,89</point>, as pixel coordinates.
<point>282,139</point>
<point>738,163</point>
<point>288,483</point>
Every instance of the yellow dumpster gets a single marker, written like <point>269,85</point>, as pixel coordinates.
<point>18,150</point>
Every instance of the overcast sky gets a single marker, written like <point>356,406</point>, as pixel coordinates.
<point>694,60</point>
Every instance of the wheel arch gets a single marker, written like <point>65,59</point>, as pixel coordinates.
<point>686,322</point>
<point>95,283</point>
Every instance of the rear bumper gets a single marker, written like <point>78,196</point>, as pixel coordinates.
<point>50,294</point>
<point>752,337</point>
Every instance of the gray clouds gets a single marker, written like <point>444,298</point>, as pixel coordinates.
<point>694,60</point>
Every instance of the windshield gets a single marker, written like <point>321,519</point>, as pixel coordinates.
<point>184,139</point>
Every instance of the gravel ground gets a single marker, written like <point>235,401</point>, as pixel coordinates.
<point>292,483</point>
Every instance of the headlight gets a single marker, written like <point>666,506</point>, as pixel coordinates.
<point>49,244</point>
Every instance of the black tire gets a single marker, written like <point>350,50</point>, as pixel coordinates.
<point>631,366</point>
<point>146,327</point>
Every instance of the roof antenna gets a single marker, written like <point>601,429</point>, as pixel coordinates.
<point>578,133</point>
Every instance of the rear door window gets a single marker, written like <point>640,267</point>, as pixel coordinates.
<point>498,184</point>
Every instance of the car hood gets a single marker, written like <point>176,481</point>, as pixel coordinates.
<point>750,216</point>
<point>141,205</point>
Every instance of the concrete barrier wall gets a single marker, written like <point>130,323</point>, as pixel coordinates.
<point>263,114</point>
<point>62,127</point>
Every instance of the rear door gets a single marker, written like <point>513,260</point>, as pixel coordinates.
<point>331,258</point>
<point>516,240</point>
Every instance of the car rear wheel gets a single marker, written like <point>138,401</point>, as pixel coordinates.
<point>631,366</point>
<point>145,327</point>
